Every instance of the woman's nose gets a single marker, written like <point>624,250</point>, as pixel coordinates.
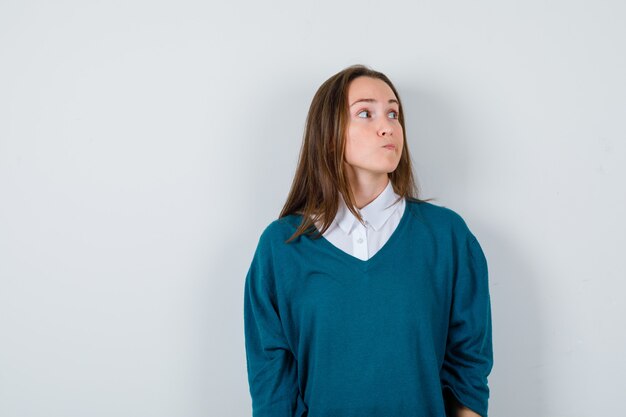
<point>385,129</point>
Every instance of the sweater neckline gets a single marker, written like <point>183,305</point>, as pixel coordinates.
<point>365,264</point>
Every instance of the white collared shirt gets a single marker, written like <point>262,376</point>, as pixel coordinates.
<point>381,218</point>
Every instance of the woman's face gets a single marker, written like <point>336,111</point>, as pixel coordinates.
<point>374,136</point>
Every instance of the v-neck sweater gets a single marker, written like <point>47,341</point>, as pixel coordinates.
<point>331,335</point>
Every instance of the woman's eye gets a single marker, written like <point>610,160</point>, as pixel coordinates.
<point>363,114</point>
<point>394,114</point>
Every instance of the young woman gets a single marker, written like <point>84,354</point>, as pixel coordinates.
<point>361,299</point>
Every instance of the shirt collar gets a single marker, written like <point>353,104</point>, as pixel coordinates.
<point>376,213</point>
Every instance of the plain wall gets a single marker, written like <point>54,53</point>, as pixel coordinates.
<point>145,145</point>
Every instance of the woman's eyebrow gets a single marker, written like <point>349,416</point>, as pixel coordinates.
<point>371,100</point>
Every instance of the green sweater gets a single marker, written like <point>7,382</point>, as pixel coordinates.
<point>331,335</point>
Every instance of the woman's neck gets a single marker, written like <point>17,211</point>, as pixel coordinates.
<point>366,192</point>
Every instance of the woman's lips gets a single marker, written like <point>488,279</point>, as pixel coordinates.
<point>391,147</point>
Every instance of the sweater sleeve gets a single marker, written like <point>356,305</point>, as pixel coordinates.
<point>271,365</point>
<point>468,358</point>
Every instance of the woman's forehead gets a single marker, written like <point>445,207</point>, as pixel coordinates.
<point>368,89</point>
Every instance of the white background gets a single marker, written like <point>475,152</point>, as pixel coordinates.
<point>145,145</point>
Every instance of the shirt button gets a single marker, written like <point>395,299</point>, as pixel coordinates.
<point>360,240</point>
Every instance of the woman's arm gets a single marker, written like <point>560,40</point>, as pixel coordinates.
<point>466,412</point>
<point>469,357</point>
<point>271,365</point>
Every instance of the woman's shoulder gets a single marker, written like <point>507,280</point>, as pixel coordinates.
<point>437,216</point>
<point>281,229</point>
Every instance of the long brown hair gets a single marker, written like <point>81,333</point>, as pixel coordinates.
<point>320,175</point>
